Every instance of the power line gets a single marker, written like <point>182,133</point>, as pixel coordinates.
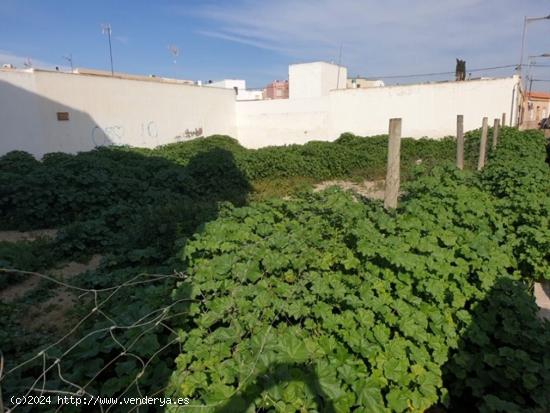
<point>481,69</point>
<point>440,73</point>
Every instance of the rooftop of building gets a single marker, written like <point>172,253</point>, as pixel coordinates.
<point>538,95</point>
<point>103,73</point>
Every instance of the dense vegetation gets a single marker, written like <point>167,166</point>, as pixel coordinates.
<point>325,303</point>
<point>321,302</point>
<point>119,199</point>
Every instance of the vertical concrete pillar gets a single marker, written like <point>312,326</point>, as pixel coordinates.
<point>496,131</point>
<point>483,145</point>
<point>460,141</point>
<point>391,193</point>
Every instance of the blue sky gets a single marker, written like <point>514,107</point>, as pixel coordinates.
<point>256,40</point>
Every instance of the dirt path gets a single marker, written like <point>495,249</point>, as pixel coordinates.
<point>65,273</point>
<point>53,313</point>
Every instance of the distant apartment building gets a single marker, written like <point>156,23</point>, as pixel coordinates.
<point>278,89</point>
<point>536,108</point>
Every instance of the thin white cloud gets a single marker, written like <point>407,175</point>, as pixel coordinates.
<point>238,39</point>
<point>390,37</point>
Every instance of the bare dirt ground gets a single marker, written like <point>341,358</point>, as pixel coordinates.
<point>15,236</point>
<point>54,312</point>
<point>64,273</point>
<point>367,189</point>
<point>71,269</point>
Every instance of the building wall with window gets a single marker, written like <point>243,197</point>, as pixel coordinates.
<point>278,89</point>
<point>535,108</point>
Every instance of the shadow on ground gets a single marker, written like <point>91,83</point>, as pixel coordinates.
<point>135,207</point>
<point>503,359</point>
<point>277,374</point>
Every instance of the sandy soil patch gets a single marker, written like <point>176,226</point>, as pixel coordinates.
<point>55,312</point>
<point>542,296</point>
<point>64,273</point>
<point>15,236</point>
<point>367,189</point>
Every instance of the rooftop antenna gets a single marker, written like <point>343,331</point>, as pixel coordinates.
<point>69,58</point>
<point>106,29</point>
<point>339,62</point>
<point>174,51</point>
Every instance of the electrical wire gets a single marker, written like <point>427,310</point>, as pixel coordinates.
<point>441,73</point>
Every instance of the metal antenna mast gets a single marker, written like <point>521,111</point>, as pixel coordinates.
<point>339,62</point>
<point>69,59</point>
<point>174,51</point>
<point>106,29</point>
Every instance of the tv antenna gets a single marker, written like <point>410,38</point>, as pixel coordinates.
<point>69,58</point>
<point>174,51</point>
<point>106,29</point>
<point>339,63</point>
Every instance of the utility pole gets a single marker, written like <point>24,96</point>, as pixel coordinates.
<point>106,29</point>
<point>526,21</point>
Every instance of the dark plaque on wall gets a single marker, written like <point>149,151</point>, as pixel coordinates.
<point>62,115</point>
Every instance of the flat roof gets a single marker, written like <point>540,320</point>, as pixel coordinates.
<point>104,73</point>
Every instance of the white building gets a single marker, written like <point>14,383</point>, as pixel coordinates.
<point>316,79</point>
<point>239,86</point>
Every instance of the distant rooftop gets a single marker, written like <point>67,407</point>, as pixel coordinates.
<point>539,95</point>
<point>104,73</point>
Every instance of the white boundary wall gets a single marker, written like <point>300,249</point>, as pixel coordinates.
<point>426,109</point>
<point>106,110</point>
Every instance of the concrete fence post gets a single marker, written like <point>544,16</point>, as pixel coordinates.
<point>496,131</point>
<point>391,192</point>
<point>460,141</point>
<point>483,144</point>
<point>503,122</point>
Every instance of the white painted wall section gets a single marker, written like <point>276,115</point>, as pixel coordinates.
<point>283,121</point>
<point>106,110</point>
<point>427,110</point>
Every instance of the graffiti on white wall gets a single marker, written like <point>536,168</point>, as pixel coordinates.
<point>115,134</point>
<point>149,129</point>
<point>109,135</point>
<point>189,134</point>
